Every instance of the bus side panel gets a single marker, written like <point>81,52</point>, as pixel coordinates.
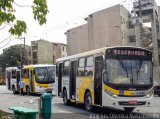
<point>65,85</point>
<point>83,84</point>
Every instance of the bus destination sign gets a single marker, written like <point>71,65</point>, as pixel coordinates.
<point>127,52</point>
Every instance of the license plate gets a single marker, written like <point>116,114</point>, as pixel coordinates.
<point>132,102</point>
<point>138,93</point>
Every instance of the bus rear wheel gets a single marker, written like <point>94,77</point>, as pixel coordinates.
<point>65,100</point>
<point>128,109</point>
<point>88,101</point>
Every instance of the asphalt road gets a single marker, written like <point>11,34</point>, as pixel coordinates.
<point>59,110</point>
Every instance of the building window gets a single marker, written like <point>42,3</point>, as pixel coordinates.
<point>63,48</point>
<point>132,39</point>
<point>34,55</point>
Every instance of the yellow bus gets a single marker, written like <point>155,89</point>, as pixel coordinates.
<point>39,78</point>
<point>107,77</point>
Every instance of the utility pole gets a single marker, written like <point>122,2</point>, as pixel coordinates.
<point>156,68</point>
<point>138,28</point>
<point>24,42</point>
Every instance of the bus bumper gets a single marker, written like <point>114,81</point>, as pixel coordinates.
<point>121,102</point>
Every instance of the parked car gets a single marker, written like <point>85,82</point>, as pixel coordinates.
<point>156,89</point>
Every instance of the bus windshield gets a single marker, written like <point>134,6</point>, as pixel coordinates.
<point>135,71</point>
<point>45,74</point>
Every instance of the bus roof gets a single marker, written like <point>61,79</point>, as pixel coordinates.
<point>38,65</point>
<point>101,50</point>
<point>11,68</point>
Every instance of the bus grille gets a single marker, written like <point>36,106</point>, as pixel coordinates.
<point>126,103</point>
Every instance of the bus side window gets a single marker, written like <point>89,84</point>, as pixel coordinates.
<point>81,66</point>
<point>66,68</point>
<point>89,66</point>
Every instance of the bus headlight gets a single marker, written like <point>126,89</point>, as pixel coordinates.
<point>114,96</point>
<point>149,93</point>
<point>111,94</point>
<point>147,96</point>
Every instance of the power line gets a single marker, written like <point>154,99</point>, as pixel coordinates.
<point>22,5</point>
<point>3,27</point>
<point>6,44</point>
<point>5,39</point>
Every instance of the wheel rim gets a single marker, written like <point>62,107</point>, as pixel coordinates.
<point>88,102</point>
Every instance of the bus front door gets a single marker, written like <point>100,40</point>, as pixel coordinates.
<point>60,67</point>
<point>98,80</point>
<point>73,79</point>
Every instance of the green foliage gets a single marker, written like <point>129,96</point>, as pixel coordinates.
<point>40,11</point>
<point>18,27</point>
<point>13,56</point>
<point>7,12</point>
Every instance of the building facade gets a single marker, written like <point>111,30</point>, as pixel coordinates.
<point>77,39</point>
<point>45,52</point>
<point>108,27</point>
<point>59,50</point>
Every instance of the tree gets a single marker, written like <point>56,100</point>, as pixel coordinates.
<point>13,56</point>
<point>7,15</point>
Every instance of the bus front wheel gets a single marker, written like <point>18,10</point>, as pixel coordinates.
<point>88,101</point>
<point>65,100</point>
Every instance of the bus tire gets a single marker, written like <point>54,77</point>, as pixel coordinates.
<point>88,102</point>
<point>28,90</point>
<point>129,109</point>
<point>14,89</point>
<point>65,100</point>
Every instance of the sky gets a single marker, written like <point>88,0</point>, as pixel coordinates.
<point>63,15</point>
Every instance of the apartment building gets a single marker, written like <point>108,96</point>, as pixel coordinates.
<point>45,52</point>
<point>59,50</point>
<point>108,27</point>
<point>77,39</point>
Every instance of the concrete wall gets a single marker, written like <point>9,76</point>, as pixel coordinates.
<point>59,50</point>
<point>102,31</point>
<point>45,52</point>
<point>103,28</point>
<point>77,39</point>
